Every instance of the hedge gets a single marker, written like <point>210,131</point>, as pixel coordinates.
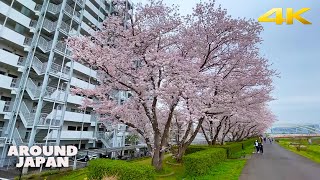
<point>233,148</point>
<point>99,168</point>
<point>248,143</point>
<point>199,163</point>
<point>195,148</point>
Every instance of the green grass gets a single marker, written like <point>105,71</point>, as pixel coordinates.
<point>246,151</point>
<point>79,174</point>
<point>167,168</point>
<point>230,170</point>
<point>312,152</point>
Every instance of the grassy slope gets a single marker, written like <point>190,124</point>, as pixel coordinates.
<point>230,169</point>
<point>312,152</point>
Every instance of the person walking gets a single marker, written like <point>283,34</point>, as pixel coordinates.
<point>256,144</point>
<point>260,147</point>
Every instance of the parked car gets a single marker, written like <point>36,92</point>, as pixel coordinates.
<point>82,158</point>
<point>85,158</point>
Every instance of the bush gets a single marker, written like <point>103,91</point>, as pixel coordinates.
<point>232,150</point>
<point>99,168</point>
<point>196,148</point>
<point>199,163</point>
<point>248,143</point>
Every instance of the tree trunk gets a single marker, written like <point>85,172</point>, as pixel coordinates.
<point>181,151</point>
<point>183,145</point>
<point>214,140</point>
<point>157,159</point>
<point>157,156</point>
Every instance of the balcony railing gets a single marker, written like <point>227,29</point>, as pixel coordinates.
<point>34,89</point>
<point>69,10</point>
<point>27,41</point>
<point>54,8</point>
<point>3,140</point>
<point>44,121</point>
<point>57,69</point>
<point>80,2</point>
<point>21,61</point>
<point>33,23</point>
<point>38,7</point>
<point>17,138</point>
<point>38,65</point>
<point>64,27</point>
<point>8,106</point>
<point>49,25</point>
<point>44,44</point>
<point>45,144</point>
<point>62,47</point>
<point>14,83</point>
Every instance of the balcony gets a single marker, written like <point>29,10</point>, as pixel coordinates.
<point>74,99</point>
<point>14,14</point>
<point>71,13</point>
<point>5,107</point>
<point>90,18</point>
<point>71,135</point>
<point>83,69</point>
<point>72,116</point>
<point>94,9</point>
<point>81,84</point>
<point>12,36</point>
<point>52,8</point>
<point>10,58</point>
<point>7,82</point>
<point>62,48</point>
<point>87,28</point>
<point>30,4</point>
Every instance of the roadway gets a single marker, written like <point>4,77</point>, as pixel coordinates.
<point>277,163</point>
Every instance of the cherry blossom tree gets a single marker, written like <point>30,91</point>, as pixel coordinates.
<point>180,70</point>
<point>228,59</point>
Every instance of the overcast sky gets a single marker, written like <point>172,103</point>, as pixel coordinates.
<point>294,51</point>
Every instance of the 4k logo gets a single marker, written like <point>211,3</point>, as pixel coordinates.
<point>291,15</point>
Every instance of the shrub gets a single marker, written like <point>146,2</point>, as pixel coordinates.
<point>195,148</point>
<point>100,168</point>
<point>201,162</point>
<point>232,150</point>
<point>248,143</point>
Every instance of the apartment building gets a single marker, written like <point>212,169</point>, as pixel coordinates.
<point>37,73</point>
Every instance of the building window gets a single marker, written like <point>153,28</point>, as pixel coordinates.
<point>85,128</point>
<point>7,50</point>
<point>13,76</point>
<point>72,128</point>
<point>4,98</point>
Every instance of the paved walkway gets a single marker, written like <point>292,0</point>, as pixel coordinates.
<point>279,164</point>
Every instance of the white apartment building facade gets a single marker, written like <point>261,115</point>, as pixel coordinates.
<point>37,73</point>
